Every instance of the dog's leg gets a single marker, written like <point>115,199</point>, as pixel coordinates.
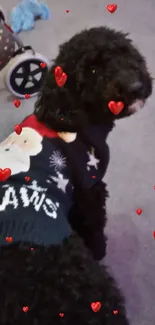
<point>88,218</point>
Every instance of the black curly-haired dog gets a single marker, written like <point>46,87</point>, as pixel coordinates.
<point>102,66</point>
<point>47,275</point>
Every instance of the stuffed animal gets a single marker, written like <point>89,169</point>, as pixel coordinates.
<point>23,16</point>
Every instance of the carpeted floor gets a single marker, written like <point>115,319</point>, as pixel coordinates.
<point>131,173</point>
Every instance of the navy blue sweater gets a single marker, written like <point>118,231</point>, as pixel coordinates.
<point>36,198</point>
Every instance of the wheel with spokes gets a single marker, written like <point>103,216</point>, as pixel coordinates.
<point>25,74</point>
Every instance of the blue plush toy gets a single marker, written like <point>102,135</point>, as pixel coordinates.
<point>24,14</point>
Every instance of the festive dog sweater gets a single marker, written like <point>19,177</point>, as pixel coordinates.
<point>36,198</point>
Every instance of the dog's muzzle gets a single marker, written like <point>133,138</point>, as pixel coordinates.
<point>136,106</point>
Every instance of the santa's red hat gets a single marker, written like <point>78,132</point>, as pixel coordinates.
<point>32,122</point>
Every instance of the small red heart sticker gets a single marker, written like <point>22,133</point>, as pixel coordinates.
<point>67,10</point>
<point>115,312</point>
<point>18,129</point>
<point>61,315</point>
<point>154,187</point>
<point>4,174</point>
<point>112,8</point>
<point>27,178</point>
<point>17,102</point>
<point>58,72</point>
<point>25,309</point>
<point>115,108</point>
<point>27,96</point>
<point>9,239</point>
<point>139,211</point>
<point>95,306</point>
<point>154,234</point>
<point>60,76</point>
<point>43,65</point>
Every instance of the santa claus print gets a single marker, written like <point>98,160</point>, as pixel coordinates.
<point>15,151</point>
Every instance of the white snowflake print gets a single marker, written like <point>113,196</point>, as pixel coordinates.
<point>57,161</point>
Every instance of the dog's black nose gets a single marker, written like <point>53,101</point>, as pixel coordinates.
<point>136,86</point>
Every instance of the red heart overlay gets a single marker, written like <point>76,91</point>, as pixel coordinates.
<point>115,312</point>
<point>115,108</point>
<point>27,178</point>
<point>112,8</point>
<point>139,211</point>
<point>17,103</point>
<point>60,76</point>
<point>18,129</point>
<point>9,239</point>
<point>27,96</point>
<point>95,306</point>
<point>25,309</point>
<point>42,65</point>
<point>4,174</point>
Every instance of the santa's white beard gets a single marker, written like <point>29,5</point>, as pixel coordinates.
<point>15,159</point>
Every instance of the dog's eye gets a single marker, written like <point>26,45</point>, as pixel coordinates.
<point>7,149</point>
<point>25,141</point>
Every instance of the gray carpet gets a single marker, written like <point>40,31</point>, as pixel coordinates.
<point>131,173</point>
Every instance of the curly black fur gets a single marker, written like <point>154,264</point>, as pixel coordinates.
<point>56,280</point>
<point>102,65</point>
<point>88,217</point>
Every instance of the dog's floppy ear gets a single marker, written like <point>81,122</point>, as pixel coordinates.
<point>57,107</point>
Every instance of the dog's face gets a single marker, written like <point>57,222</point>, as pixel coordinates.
<point>102,66</point>
<point>120,72</point>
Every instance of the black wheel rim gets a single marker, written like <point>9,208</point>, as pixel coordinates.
<point>27,77</point>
